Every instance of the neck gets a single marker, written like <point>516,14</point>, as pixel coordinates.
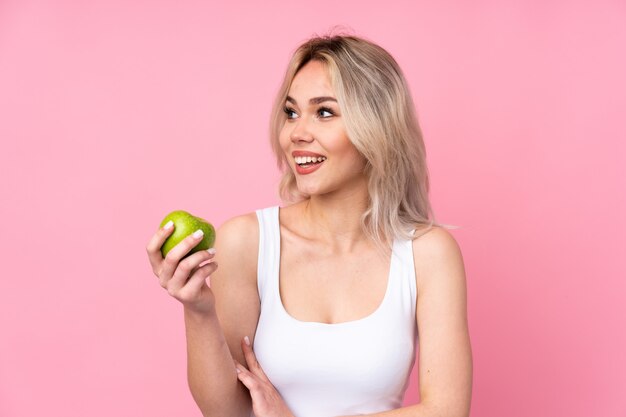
<point>335,219</point>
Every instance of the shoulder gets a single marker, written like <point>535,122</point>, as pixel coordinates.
<point>436,242</point>
<point>236,227</point>
<point>238,239</point>
<point>438,257</point>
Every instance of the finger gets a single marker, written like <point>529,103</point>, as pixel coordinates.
<point>170,263</point>
<point>187,267</point>
<point>211,260</point>
<point>246,377</point>
<point>198,278</point>
<point>154,246</point>
<point>196,285</point>
<point>251,360</point>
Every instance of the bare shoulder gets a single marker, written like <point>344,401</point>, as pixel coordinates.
<point>238,234</point>
<point>237,248</point>
<point>436,240</point>
<point>437,254</point>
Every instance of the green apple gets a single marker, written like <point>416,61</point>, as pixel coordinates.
<point>184,225</point>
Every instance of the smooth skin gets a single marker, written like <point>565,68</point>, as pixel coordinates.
<point>224,377</point>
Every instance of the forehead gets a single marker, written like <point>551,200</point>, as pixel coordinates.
<point>312,79</point>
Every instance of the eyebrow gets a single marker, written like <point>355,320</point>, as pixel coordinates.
<point>314,100</point>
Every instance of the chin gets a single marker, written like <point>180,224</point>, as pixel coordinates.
<point>309,189</point>
<point>315,190</point>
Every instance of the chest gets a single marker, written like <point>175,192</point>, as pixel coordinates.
<point>331,288</point>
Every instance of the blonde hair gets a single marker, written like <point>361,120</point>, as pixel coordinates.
<point>374,99</point>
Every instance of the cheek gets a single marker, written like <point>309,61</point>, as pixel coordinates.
<point>350,152</point>
<point>358,162</point>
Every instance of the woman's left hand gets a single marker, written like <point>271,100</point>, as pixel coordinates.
<point>266,401</point>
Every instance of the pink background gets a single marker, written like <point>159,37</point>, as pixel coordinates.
<point>113,113</point>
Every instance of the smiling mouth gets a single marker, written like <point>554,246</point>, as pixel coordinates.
<point>307,161</point>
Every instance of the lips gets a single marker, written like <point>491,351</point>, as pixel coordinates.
<point>306,153</point>
<point>308,168</point>
<point>307,162</point>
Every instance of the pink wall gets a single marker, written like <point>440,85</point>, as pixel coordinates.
<point>113,113</point>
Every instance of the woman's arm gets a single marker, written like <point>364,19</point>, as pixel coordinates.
<point>445,354</point>
<point>213,339</point>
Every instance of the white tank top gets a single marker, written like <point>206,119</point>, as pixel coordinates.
<point>324,370</point>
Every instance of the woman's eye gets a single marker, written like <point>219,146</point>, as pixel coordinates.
<point>289,112</point>
<point>323,110</point>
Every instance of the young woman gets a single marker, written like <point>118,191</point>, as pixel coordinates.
<point>318,307</point>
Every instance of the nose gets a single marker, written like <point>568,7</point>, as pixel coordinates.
<point>301,132</point>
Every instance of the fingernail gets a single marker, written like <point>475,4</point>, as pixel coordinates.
<point>245,339</point>
<point>168,225</point>
<point>238,370</point>
<point>198,233</point>
<point>211,251</point>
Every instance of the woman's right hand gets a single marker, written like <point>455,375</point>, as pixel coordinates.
<point>183,279</point>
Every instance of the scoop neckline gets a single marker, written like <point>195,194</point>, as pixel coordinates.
<point>319,323</point>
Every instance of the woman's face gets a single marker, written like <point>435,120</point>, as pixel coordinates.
<point>314,128</point>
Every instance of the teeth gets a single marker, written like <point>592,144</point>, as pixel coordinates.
<point>308,159</point>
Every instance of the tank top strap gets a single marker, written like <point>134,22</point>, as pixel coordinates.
<point>403,283</point>
<point>269,244</point>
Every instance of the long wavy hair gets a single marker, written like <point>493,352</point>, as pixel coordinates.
<point>380,120</point>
